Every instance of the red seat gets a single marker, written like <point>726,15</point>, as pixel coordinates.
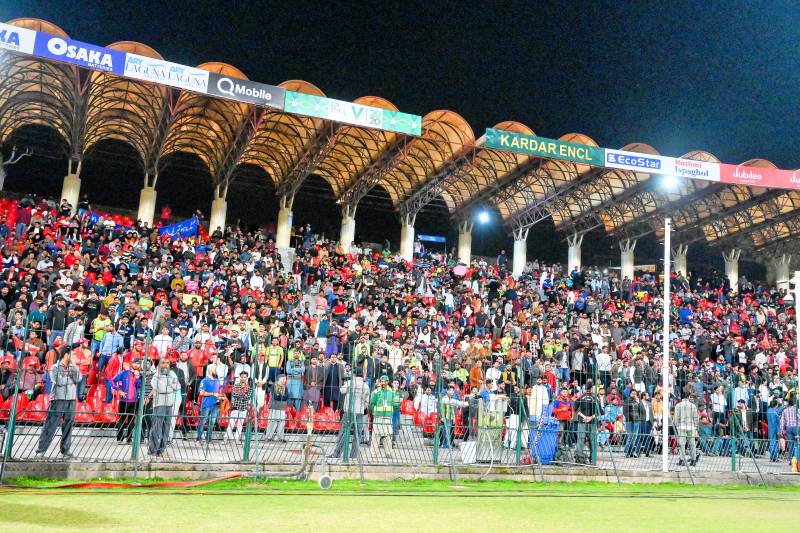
<point>83,413</point>
<point>191,414</point>
<point>459,430</point>
<point>407,407</point>
<point>419,418</point>
<point>291,419</point>
<point>35,411</point>
<point>104,413</point>
<point>263,417</point>
<point>5,410</point>
<point>429,428</point>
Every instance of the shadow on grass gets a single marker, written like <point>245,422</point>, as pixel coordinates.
<point>47,516</point>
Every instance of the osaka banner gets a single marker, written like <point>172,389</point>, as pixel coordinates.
<point>17,39</point>
<point>78,53</point>
<point>186,228</point>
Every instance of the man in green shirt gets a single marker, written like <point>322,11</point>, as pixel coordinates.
<point>382,404</point>
<point>99,330</point>
<point>274,360</point>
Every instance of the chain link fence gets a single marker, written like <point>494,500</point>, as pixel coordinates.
<point>450,429</point>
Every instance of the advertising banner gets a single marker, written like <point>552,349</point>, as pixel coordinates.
<point>351,113</point>
<point>17,39</point>
<point>654,164</point>
<point>402,122</point>
<point>431,238</point>
<point>543,147</point>
<point>186,228</point>
<point>78,53</point>
<point>159,71</point>
<point>253,92</point>
<point>699,170</point>
<point>760,177</point>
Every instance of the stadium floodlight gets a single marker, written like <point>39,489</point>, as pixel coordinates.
<point>483,217</point>
<point>669,182</point>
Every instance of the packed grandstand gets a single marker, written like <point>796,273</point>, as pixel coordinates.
<point>131,337</point>
<point>194,343</point>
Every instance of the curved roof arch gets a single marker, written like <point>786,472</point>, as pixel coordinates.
<point>33,91</point>
<point>354,149</point>
<point>205,126</point>
<point>542,182</point>
<point>654,199</point>
<point>609,187</point>
<point>446,136</point>
<point>281,139</point>
<point>125,109</point>
<point>486,171</point>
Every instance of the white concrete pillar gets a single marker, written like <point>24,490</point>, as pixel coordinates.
<point>465,242</point>
<point>147,205</point>
<point>732,267</point>
<point>283,235</point>
<point>71,189</point>
<point>574,252</point>
<point>348,231</point>
<point>520,258</point>
<point>219,210</point>
<point>626,249</point>
<point>771,276</point>
<point>679,260</point>
<point>782,276</point>
<point>407,237</point>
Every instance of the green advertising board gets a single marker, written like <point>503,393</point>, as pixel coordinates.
<point>544,147</point>
<point>352,113</point>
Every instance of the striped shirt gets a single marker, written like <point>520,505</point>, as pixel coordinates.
<point>789,417</point>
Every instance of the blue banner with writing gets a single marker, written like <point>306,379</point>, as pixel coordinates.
<point>186,228</point>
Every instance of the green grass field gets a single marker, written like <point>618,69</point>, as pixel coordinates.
<point>241,505</point>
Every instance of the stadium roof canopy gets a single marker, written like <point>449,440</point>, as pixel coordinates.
<point>85,107</point>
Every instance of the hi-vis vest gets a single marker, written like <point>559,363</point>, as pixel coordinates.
<point>274,354</point>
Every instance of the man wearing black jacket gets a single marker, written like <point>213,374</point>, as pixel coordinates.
<point>186,373</point>
<point>633,411</point>
<point>56,320</point>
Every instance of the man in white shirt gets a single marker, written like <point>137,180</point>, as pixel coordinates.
<point>539,398</point>
<point>162,342</point>
<point>426,403</point>
<point>493,375</point>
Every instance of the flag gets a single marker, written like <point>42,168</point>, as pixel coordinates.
<point>186,228</point>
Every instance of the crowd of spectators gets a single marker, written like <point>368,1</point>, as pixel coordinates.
<point>227,321</point>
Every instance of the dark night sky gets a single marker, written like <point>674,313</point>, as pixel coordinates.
<point>719,76</point>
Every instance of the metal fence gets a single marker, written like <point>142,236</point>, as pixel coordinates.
<point>98,432</point>
<point>450,431</point>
